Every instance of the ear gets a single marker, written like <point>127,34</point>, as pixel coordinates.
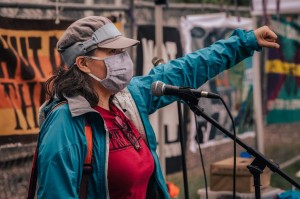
<point>81,64</point>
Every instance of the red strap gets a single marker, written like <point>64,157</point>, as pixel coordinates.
<point>87,168</point>
<point>89,139</point>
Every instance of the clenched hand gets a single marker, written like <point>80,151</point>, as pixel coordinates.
<point>266,37</point>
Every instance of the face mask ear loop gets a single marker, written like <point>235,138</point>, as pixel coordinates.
<point>95,77</point>
<point>95,58</point>
<point>98,59</point>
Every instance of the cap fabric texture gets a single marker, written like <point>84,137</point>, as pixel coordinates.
<point>89,33</point>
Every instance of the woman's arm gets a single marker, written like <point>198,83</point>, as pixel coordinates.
<point>194,69</point>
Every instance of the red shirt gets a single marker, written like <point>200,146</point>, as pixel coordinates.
<point>129,169</point>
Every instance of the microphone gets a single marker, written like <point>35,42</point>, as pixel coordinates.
<point>159,88</point>
<point>156,61</point>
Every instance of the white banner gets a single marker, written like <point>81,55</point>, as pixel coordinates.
<point>234,85</point>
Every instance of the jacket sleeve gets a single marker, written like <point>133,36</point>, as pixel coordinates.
<point>194,69</point>
<point>60,155</point>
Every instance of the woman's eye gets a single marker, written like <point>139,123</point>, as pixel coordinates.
<point>115,51</point>
<point>111,52</point>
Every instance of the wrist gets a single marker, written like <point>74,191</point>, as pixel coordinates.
<point>253,42</point>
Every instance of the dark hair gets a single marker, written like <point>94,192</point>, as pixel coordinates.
<point>71,82</point>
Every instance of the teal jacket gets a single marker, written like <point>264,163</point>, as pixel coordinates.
<point>62,142</point>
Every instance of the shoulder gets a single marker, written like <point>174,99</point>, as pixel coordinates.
<point>60,131</point>
<point>61,117</point>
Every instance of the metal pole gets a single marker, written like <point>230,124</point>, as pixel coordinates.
<point>132,30</point>
<point>159,42</point>
<point>113,7</point>
<point>183,147</point>
<point>65,6</point>
<point>191,6</point>
<point>89,3</point>
<point>158,29</point>
<point>258,114</point>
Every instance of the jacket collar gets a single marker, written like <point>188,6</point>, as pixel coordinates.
<point>79,105</point>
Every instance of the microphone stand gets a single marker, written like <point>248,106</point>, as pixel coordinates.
<point>258,164</point>
<point>156,61</point>
<point>183,162</point>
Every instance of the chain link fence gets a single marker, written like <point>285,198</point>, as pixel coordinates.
<point>15,167</point>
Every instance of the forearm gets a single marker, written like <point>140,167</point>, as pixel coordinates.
<point>204,64</point>
<point>194,69</point>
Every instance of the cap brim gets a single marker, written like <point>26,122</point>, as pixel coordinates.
<point>118,43</point>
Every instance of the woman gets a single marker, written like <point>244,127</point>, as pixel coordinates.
<point>98,89</point>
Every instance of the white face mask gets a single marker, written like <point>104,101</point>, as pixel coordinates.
<point>119,72</point>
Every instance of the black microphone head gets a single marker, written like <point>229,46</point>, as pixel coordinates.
<point>157,88</point>
<point>156,61</point>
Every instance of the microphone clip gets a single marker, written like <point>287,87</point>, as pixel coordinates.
<point>186,94</point>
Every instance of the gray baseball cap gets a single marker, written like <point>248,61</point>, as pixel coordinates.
<point>89,33</point>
